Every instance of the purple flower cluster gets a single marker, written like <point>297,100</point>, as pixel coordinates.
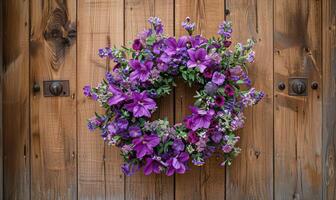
<point>146,71</point>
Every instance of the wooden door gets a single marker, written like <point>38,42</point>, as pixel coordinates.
<point>288,143</point>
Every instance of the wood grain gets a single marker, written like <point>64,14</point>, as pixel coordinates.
<point>251,174</point>
<point>114,178</point>
<point>329,98</point>
<point>53,120</point>
<point>137,13</point>
<point>16,99</point>
<point>207,182</point>
<point>1,103</point>
<point>297,120</point>
<point>100,24</point>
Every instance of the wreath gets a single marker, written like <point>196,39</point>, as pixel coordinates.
<point>146,72</point>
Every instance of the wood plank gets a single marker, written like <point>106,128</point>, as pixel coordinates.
<point>251,174</point>
<point>100,24</point>
<point>114,178</point>
<point>208,182</point>
<point>137,13</point>
<point>297,124</point>
<point>329,98</point>
<point>16,99</point>
<point>53,119</point>
<point>1,102</point>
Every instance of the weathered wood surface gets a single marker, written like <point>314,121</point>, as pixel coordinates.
<point>1,111</point>
<point>16,99</point>
<point>53,120</point>
<point>100,24</point>
<point>297,120</point>
<point>288,143</point>
<point>251,174</point>
<point>329,99</point>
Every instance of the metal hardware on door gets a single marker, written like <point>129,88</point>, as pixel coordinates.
<point>314,85</point>
<point>56,88</point>
<point>297,86</point>
<point>281,85</point>
<point>36,88</point>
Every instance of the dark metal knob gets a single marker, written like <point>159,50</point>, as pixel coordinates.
<point>281,85</point>
<point>36,88</point>
<point>298,86</point>
<point>314,85</point>
<point>56,88</point>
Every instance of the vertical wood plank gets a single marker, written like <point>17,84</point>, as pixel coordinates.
<point>1,109</point>
<point>251,174</point>
<point>207,182</point>
<point>297,124</point>
<point>100,24</point>
<point>16,99</point>
<point>329,98</point>
<point>114,178</point>
<point>53,119</point>
<point>137,13</point>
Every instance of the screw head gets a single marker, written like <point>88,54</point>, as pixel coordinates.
<point>227,11</point>
<point>36,88</point>
<point>314,85</point>
<point>281,85</point>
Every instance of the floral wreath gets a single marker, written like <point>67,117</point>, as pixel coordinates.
<point>146,72</point>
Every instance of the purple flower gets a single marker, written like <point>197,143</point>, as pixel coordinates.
<point>216,136</point>
<point>112,128</point>
<point>87,91</point>
<point>188,25</point>
<point>219,101</point>
<point>117,96</point>
<point>201,118</point>
<point>237,122</point>
<point>251,57</point>
<point>144,145</point>
<point>141,105</point>
<point>109,77</point>
<point>137,45</point>
<point>157,48</point>
<point>229,90</point>
<point>218,78</point>
<point>211,88</point>
<point>151,166</point>
<point>227,148</point>
<point>93,123</point>
<point>225,29</point>
<point>208,72</point>
<point>192,137</point>
<point>178,145</point>
<point>235,73</point>
<point>197,41</point>
<point>198,162</point>
<point>177,164</point>
<point>174,47</point>
<point>252,97</point>
<point>198,59</point>
<point>134,131</point>
<point>141,70</point>
<point>129,169</point>
<point>162,66</point>
<point>227,43</point>
<point>157,24</point>
<point>122,124</point>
